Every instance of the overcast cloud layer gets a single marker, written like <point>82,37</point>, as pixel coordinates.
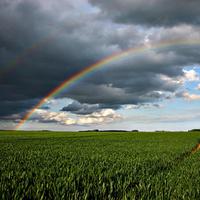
<point>152,12</point>
<point>44,42</point>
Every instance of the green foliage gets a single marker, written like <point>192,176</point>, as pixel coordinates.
<point>98,165</point>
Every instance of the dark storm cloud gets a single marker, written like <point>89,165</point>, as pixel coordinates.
<point>40,47</point>
<point>151,12</point>
<point>137,81</point>
<point>8,108</point>
<point>114,97</point>
<point>53,40</point>
<point>45,54</point>
<point>78,108</point>
<point>84,108</point>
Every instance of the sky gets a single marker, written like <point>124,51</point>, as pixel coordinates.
<point>45,42</point>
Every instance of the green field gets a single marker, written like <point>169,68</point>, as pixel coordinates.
<point>98,165</point>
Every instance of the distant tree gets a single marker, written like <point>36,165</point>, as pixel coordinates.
<point>194,130</point>
<point>135,131</point>
<point>95,130</point>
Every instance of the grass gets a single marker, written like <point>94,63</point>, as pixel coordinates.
<point>98,165</point>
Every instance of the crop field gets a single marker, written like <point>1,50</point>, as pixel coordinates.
<point>99,165</point>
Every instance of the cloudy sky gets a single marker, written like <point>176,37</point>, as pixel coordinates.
<point>44,42</point>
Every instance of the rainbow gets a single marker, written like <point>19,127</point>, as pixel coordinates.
<point>89,69</point>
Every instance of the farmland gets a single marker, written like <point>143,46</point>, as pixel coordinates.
<point>98,165</point>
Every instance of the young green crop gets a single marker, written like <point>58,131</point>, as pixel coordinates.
<point>98,165</point>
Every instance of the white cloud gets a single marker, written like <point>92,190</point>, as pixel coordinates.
<point>172,81</point>
<point>191,75</point>
<point>198,86</point>
<point>189,96</point>
<point>103,116</point>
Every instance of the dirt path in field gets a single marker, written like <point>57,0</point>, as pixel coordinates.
<point>178,160</point>
<point>188,153</point>
<point>195,149</point>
